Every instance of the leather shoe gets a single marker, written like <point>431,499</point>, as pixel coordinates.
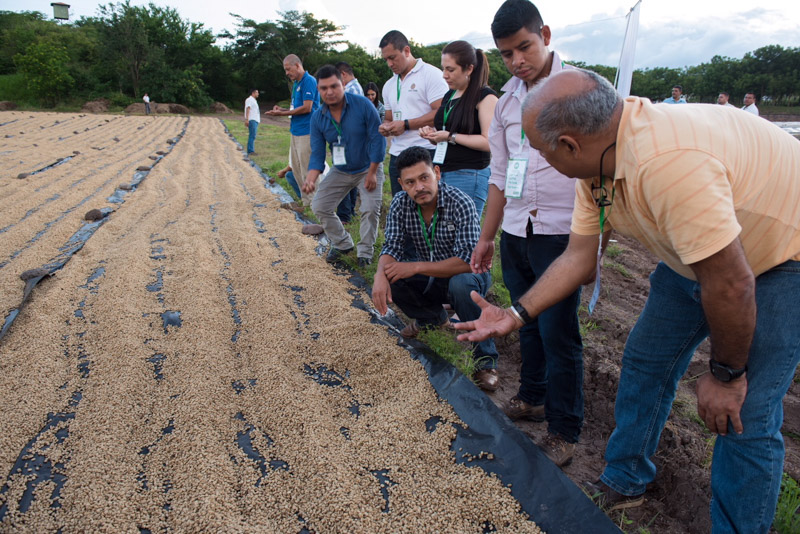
<point>410,330</point>
<point>559,450</point>
<point>608,499</point>
<point>519,409</point>
<point>487,379</point>
<point>335,255</point>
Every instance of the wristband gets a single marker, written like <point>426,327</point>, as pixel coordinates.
<point>405,123</point>
<point>519,311</point>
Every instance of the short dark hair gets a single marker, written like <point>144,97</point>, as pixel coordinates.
<point>394,38</point>
<point>413,155</point>
<point>253,90</point>
<point>326,71</point>
<point>678,87</point>
<point>514,15</point>
<point>750,93</point>
<point>344,66</point>
<point>725,93</point>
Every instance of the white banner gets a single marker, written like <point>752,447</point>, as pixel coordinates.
<point>625,69</point>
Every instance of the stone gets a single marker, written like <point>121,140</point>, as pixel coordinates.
<point>93,215</point>
<point>312,229</point>
<point>33,273</point>
<point>23,175</point>
<point>143,168</point>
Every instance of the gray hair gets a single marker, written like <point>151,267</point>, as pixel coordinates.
<point>585,113</point>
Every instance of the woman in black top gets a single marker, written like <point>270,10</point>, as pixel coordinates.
<point>461,124</point>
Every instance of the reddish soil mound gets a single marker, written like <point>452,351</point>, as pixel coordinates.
<point>177,109</point>
<point>219,107</point>
<point>7,105</point>
<point>97,106</point>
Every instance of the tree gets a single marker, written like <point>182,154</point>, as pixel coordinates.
<point>44,66</point>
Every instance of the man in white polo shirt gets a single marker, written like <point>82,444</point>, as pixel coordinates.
<point>411,98</point>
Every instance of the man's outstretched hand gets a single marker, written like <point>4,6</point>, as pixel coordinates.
<point>493,322</point>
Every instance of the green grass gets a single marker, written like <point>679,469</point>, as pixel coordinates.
<point>787,515</point>
<point>614,250</point>
<point>272,149</point>
<point>621,269</point>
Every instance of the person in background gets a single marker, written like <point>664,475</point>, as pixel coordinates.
<point>146,99</point>
<point>252,118</point>
<point>723,98</point>
<point>677,96</point>
<point>461,124</point>
<point>305,100</point>
<point>349,79</point>
<point>750,104</point>
<point>373,94</point>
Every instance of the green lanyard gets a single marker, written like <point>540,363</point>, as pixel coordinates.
<point>448,108</point>
<point>338,129</point>
<point>522,137</point>
<point>398,88</point>
<point>425,230</point>
<point>603,204</point>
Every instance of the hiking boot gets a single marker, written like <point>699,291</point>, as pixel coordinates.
<point>487,379</point>
<point>608,499</point>
<point>336,255</point>
<point>364,262</point>
<point>519,409</point>
<point>410,331</point>
<point>558,449</point>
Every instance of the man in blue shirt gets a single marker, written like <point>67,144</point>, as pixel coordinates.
<point>443,225</point>
<point>677,96</point>
<point>305,100</point>
<point>349,125</point>
<point>347,208</point>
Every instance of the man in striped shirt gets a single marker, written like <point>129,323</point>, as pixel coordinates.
<point>714,195</point>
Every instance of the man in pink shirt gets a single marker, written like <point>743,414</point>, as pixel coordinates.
<point>534,203</point>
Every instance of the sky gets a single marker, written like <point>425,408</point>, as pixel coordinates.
<point>676,34</point>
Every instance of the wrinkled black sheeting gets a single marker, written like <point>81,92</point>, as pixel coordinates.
<point>551,499</point>
<point>544,492</point>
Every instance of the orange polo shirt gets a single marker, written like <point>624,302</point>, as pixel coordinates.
<point>690,179</point>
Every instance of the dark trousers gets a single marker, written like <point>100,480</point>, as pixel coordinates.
<point>347,207</point>
<point>551,346</point>
<point>426,306</point>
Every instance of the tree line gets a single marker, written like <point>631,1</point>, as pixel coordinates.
<point>127,50</point>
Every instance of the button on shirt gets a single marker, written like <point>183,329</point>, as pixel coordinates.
<point>360,137</point>
<point>305,89</point>
<point>548,196</point>
<point>457,226</point>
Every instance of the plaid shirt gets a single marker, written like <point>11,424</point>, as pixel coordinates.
<point>457,228</point>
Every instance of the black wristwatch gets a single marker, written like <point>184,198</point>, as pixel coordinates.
<point>405,124</point>
<point>724,373</point>
<point>522,312</point>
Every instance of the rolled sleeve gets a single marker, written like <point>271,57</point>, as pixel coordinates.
<point>585,213</point>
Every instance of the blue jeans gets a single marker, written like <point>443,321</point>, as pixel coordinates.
<point>426,307</point>
<point>551,346</point>
<point>746,468</point>
<point>293,183</point>
<point>474,183</point>
<point>252,127</point>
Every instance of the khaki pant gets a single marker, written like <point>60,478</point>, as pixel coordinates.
<point>300,155</point>
<point>332,190</point>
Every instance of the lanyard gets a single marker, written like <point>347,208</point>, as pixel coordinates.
<point>448,108</point>
<point>336,125</point>
<point>398,88</point>
<point>432,235</point>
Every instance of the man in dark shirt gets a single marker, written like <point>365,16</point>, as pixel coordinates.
<point>443,225</point>
<point>349,125</point>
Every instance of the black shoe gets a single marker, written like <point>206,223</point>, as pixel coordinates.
<point>335,255</point>
<point>364,262</point>
<point>608,500</point>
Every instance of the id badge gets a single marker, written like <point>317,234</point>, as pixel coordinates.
<point>515,176</point>
<point>397,115</point>
<point>338,155</point>
<point>441,152</point>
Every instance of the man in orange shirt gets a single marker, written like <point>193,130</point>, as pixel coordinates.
<point>720,209</point>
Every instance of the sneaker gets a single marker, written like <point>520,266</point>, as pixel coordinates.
<point>608,500</point>
<point>487,379</point>
<point>519,409</point>
<point>335,255</point>
<point>364,262</point>
<point>559,450</point>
